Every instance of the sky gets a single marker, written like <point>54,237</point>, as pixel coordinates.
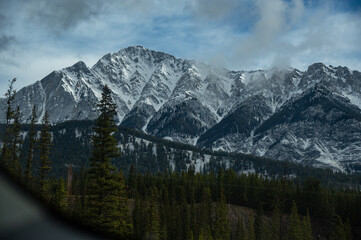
<point>40,36</point>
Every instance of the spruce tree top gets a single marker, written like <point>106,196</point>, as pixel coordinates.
<point>106,105</point>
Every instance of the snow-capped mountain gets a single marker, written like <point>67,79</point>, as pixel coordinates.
<point>311,117</point>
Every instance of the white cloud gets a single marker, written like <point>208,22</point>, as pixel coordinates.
<point>288,34</point>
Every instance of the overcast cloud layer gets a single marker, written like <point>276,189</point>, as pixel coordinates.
<point>39,36</point>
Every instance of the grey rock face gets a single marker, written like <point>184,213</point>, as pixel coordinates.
<point>183,121</point>
<point>312,129</point>
<point>241,121</point>
<point>311,117</point>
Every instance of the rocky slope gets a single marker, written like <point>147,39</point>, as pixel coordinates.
<point>311,117</point>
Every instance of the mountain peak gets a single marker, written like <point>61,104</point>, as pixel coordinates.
<point>79,66</point>
<point>316,66</point>
<point>134,49</point>
<point>146,53</point>
<point>139,47</point>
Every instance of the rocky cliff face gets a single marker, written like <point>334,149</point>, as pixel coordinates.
<point>311,117</point>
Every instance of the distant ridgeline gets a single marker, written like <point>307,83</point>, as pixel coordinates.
<point>72,145</point>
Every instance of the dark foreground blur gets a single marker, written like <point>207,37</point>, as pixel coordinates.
<point>23,217</point>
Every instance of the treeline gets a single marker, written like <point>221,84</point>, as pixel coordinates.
<point>191,205</point>
<point>71,144</point>
<point>169,204</point>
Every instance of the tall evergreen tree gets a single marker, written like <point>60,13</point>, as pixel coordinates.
<point>250,230</point>
<point>307,231</point>
<point>347,230</point>
<point>179,233</point>
<point>132,181</point>
<point>163,232</point>
<point>83,189</point>
<point>341,231</point>
<point>191,237</point>
<point>221,225</point>
<point>274,228</point>
<point>44,147</point>
<point>205,209</point>
<point>125,226</point>
<point>201,235</point>
<point>240,233</point>
<point>103,182</point>
<point>15,144</point>
<point>294,227</point>
<point>58,194</point>
<point>32,141</point>
<point>138,218</point>
<point>185,215</point>
<point>172,219</point>
<point>205,234</point>
<point>259,227</point>
<point>6,151</point>
<point>152,225</point>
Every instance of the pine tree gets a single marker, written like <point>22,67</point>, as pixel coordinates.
<point>132,180</point>
<point>138,218</point>
<point>172,218</point>
<point>201,235</point>
<point>6,151</point>
<point>103,182</point>
<point>208,234</point>
<point>191,237</point>
<point>15,144</point>
<point>193,216</point>
<point>258,224</point>
<point>163,232</point>
<point>240,233</point>
<point>125,227</point>
<point>250,230</point>
<point>83,190</point>
<point>274,229</point>
<point>205,209</point>
<point>338,230</point>
<point>62,195</point>
<point>205,234</point>
<point>184,215</point>
<point>221,226</point>
<point>341,231</point>
<point>44,146</point>
<point>294,227</point>
<point>179,233</point>
<point>307,231</point>
<point>58,195</point>
<point>152,226</point>
<point>32,141</point>
<point>347,230</point>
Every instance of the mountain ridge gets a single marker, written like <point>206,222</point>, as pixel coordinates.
<point>208,106</point>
